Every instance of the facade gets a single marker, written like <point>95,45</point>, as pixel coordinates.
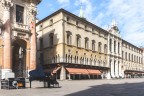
<point>74,48</point>
<point>17,37</point>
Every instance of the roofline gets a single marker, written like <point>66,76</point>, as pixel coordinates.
<point>81,19</point>
<point>67,12</point>
<point>131,44</point>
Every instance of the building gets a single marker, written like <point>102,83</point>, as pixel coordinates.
<point>17,37</point>
<point>74,48</point>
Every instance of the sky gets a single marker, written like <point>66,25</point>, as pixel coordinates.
<point>129,14</point>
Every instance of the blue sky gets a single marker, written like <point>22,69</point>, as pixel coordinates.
<point>129,14</point>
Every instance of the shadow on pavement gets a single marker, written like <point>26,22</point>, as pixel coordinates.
<point>127,89</point>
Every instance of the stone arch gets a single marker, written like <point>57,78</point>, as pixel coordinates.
<point>20,57</point>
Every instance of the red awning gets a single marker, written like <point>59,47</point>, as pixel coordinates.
<point>83,71</point>
<point>92,71</point>
<point>77,71</point>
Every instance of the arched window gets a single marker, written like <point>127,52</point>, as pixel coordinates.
<point>94,62</point>
<point>87,62</point>
<point>78,40</point>
<point>99,47</point>
<point>75,59</point>
<point>129,57</point>
<point>93,45</point>
<point>115,46</point>
<point>122,55</point>
<point>51,38</point>
<point>81,60</point>
<point>125,55</point>
<point>98,63</point>
<point>105,48</point>
<point>86,43</point>
<point>90,61</point>
<point>132,57</point>
<point>118,47</point>
<point>110,45</point>
<point>69,38</point>
<point>69,58</point>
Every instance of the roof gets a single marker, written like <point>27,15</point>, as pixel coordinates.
<point>71,14</point>
<point>79,18</point>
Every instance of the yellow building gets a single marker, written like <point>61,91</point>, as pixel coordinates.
<point>74,48</point>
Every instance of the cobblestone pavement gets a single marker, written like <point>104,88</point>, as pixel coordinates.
<point>119,87</point>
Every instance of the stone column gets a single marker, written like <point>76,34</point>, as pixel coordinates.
<point>7,4</point>
<point>63,73</point>
<point>112,69</point>
<point>33,38</point>
<point>112,46</point>
<point>116,68</point>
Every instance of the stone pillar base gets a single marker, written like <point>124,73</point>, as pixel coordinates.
<point>7,73</point>
<point>108,75</point>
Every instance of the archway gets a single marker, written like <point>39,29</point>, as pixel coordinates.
<point>19,58</point>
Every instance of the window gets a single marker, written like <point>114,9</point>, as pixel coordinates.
<point>92,29</point>
<point>77,23</point>
<point>69,38</point>
<point>122,55</point>
<point>51,21</point>
<point>105,48</point>
<point>40,27</point>
<point>129,57</point>
<point>125,55</point>
<point>68,19</point>
<point>93,45</point>
<point>85,27</point>
<point>86,43</point>
<point>99,47</point>
<point>110,45</point>
<point>41,43</point>
<point>78,40</point>
<point>19,14</point>
<point>115,46</point>
<point>132,57</point>
<point>51,37</point>
<point>118,47</point>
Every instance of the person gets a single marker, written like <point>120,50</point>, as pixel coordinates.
<point>53,80</point>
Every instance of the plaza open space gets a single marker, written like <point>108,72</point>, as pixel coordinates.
<point>117,87</point>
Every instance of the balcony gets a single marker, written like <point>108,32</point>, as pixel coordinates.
<point>21,27</point>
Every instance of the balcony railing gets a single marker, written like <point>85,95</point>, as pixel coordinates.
<point>20,26</point>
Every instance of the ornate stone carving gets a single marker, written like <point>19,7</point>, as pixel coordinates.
<point>33,9</point>
<point>7,4</point>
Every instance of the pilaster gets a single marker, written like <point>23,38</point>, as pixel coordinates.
<point>33,37</point>
<point>7,4</point>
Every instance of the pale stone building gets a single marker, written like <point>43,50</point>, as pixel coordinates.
<point>74,48</point>
<point>17,37</point>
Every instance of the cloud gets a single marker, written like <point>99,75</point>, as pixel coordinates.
<point>129,14</point>
<point>64,3</point>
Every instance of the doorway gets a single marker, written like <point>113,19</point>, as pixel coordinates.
<point>19,58</point>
